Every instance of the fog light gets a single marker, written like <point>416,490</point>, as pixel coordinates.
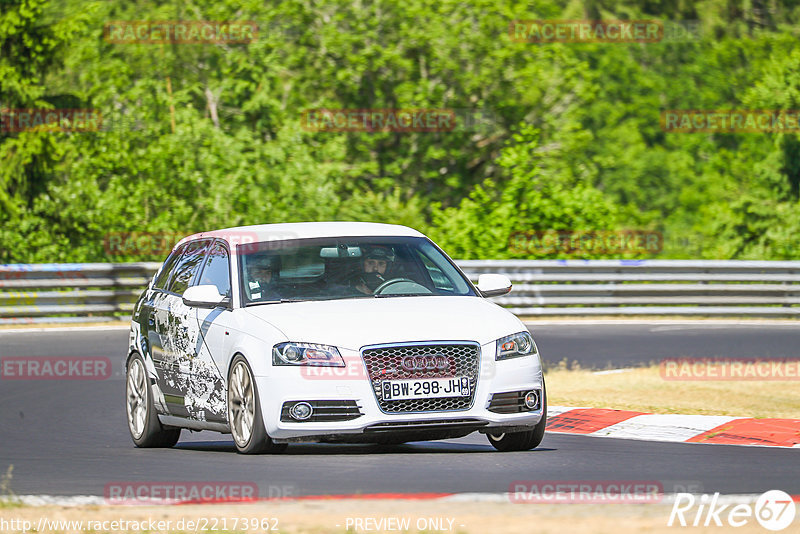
<point>531,399</point>
<point>301,411</point>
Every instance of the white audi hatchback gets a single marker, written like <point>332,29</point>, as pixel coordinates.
<point>328,332</point>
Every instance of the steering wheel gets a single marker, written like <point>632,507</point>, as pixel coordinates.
<point>387,283</point>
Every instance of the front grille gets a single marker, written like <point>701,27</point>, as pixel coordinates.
<point>385,363</point>
<point>510,402</point>
<point>325,411</point>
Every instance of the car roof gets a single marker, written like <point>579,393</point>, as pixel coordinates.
<point>303,230</point>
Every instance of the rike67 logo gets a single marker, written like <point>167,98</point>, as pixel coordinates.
<point>774,510</point>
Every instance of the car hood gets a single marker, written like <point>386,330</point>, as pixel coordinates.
<point>354,323</point>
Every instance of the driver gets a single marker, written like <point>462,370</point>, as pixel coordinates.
<point>261,274</point>
<point>377,262</point>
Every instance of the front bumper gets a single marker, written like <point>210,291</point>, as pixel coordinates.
<point>293,384</point>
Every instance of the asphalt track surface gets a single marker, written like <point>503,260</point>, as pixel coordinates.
<point>70,437</point>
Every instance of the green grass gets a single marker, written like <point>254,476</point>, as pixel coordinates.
<point>643,389</point>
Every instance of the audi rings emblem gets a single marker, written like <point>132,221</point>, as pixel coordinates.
<point>427,362</point>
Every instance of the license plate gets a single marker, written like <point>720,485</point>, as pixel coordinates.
<point>425,388</point>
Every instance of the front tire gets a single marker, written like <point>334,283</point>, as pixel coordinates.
<point>522,441</point>
<point>143,423</point>
<point>244,412</point>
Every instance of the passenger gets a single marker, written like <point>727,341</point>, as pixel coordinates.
<point>262,274</point>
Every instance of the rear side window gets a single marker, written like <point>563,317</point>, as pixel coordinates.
<point>187,267</point>
<point>168,268</point>
<point>216,271</point>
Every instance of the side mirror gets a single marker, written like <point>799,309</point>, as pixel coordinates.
<point>493,285</point>
<point>205,296</point>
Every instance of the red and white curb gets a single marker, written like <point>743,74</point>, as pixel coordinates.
<point>715,429</point>
<point>496,497</point>
<point>94,500</point>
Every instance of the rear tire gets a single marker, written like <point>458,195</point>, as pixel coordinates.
<point>143,424</point>
<point>522,441</point>
<point>244,412</point>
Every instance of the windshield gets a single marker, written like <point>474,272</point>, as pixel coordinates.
<point>341,268</point>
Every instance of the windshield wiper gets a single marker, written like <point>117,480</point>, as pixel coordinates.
<point>275,302</point>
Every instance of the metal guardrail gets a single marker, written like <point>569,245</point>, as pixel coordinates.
<point>647,287</point>
<point>98,291</point>
<point>70,292</point>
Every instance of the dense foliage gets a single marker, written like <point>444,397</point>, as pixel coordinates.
<point>200,136</point>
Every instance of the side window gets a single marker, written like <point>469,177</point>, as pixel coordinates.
<point>168,267</point>
<point>216,271</point>
<point>188,266</point>
<point>440,281</point>
<point>444,275</point>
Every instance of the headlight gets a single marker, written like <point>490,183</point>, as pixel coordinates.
<point>515,346</point>
<point>306,354</point>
